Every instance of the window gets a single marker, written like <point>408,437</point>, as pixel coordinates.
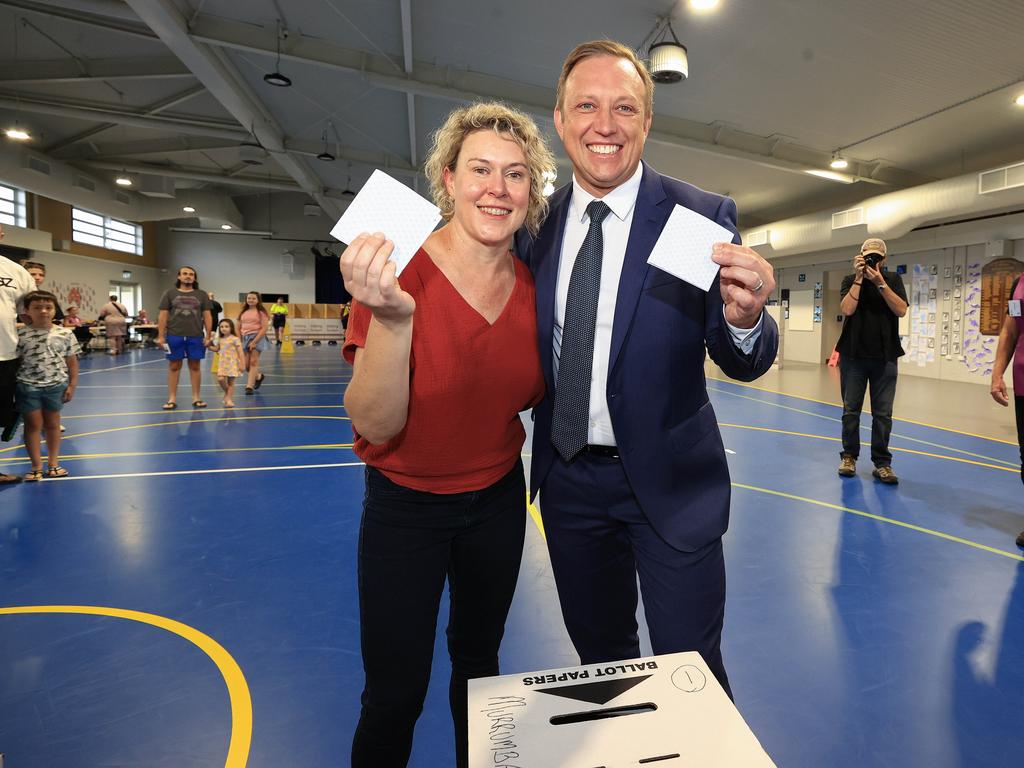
<point>12,206</point>
<point>105,232</point>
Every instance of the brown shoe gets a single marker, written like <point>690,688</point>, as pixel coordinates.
<point>885,475</point>
<point>848,466</point>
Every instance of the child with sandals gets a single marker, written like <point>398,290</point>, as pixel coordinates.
<point>231,362</point>
<point>46,380</point>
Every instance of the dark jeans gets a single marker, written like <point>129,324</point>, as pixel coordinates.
<point>855,375</point>
<point>1018,404</point>
<point>8,370</point>
<point>409,543</point>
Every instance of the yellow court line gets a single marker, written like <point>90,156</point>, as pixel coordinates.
<point>238,689</point>
<point>1015,469</point>
<point>866,428</point>
<point>79,456</point>
<point>882,519</point>
<point>866,410</point>
<point>185,421</point>
<point>208,410</point>
<point>535,515</point>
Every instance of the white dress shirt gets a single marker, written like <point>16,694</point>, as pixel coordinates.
<point>615,231</point>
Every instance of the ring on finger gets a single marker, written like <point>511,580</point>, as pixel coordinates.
<point>760,284</point>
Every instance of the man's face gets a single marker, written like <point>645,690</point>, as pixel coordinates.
<point>38,274</point>
<point>602,122</point>
<point>186,276</point>
<point>41,313</point>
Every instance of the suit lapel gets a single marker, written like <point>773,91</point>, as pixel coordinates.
<point>649,218</point>
<point>547,251</point>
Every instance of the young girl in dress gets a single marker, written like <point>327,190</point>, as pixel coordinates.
<point>231,360</point>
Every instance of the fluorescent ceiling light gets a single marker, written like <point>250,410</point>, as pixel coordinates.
<point>225,226</point>
<point>17,133</point>
<point>123,181</point>
<point>842,178</point>
<point>189,209</point>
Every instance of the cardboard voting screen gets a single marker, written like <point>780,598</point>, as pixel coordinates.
<point>664,710</point>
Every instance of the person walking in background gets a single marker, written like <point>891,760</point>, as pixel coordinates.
<point>216,308</point>
<point>279,311</point>
<point>15,284</point>
<point>442,438</point>
<point>185,327</point>
<point>253,321</point>
<point>874,300</point>
<point>231,359</point>
<point>114,317</point>
<point>46,381</point>
<point>627,454</point>
<point>1011,346</point>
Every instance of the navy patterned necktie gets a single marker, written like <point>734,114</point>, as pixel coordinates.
<point>570,417</point>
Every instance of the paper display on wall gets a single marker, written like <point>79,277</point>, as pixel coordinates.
<point>801,311</point>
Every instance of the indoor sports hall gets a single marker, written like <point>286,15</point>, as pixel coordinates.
<point>188,594</point>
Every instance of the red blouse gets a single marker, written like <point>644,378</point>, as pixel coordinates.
<point>468,382</point>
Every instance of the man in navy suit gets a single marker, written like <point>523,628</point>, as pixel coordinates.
<point>627,455</point>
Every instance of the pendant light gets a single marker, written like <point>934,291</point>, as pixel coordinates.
<point>275,77</point>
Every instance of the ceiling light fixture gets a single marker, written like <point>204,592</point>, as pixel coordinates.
<point>347,192</point>
<point>324,155</point>
<point>123,180</point>
<point>17,133</point>
<point>838,162</point>
<point>189,209</point>
<point>1019,101</point>
<point>668,60</point>
<point>275,77</point>
<point>225,226</point>
<point>703,6</point>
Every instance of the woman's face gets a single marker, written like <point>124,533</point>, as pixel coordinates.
<point>252,299</point>
<point>490,184</point>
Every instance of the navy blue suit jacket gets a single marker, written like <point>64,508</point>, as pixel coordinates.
<point>664,424</point>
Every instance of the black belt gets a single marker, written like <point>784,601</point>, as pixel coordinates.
<point>605,451</point>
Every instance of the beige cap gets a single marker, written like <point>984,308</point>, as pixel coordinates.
<point>873,245</point>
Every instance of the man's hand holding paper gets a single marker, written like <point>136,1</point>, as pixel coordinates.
<point>693,248</point>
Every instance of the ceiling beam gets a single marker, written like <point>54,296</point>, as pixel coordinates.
<point>195,174</point>
<point>216,71</point>
<point>67,71</point>
<point>107,113</point>
<point>111,23</point>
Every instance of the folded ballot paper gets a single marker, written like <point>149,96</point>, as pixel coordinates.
<point>667,711</point>
<point>684,247</point>
<point>388,206</point>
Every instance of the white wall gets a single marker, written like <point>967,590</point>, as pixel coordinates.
<point>233,264</point>
<point>800,346</point>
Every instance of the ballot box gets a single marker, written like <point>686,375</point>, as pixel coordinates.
<point>666,711</point>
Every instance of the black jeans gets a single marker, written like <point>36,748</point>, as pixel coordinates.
<point>855,375</point>
<point>8,371</point>
<point>409,543</point>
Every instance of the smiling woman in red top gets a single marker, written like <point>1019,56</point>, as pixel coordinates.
<point>443,362</point>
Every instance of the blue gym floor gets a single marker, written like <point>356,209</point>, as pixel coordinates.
<point>192,585</point>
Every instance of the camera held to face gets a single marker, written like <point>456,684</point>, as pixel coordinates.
<point>872,259</point>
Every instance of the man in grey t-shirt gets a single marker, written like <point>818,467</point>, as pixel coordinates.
<point>184,329</point>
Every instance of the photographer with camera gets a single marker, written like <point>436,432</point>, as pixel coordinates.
<point>873,302</point>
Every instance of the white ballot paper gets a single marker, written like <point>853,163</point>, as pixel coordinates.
<point>684,248</point>
<point>388,206</point>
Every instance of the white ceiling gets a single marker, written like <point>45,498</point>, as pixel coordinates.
<point>913,90</point>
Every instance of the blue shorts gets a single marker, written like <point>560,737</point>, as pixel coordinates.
<point>28,398</point>
<point>191,347</point>
<point>261,345</point>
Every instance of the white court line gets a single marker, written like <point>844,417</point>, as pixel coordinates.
<point>164,386</point>
<point>118,367</point>
<point>204,471</point>
<point>729,450</point>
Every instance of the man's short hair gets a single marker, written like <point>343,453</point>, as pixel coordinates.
<point>606,48</point>
<point>39,296</point>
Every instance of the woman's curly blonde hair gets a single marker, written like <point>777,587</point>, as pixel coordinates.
<point>506,122</point>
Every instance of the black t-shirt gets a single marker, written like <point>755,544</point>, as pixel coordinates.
<point>872,331</point>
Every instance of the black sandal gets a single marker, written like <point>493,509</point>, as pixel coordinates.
<point>259,382</point>
<point>198,404</point>
<point>170,405</point>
